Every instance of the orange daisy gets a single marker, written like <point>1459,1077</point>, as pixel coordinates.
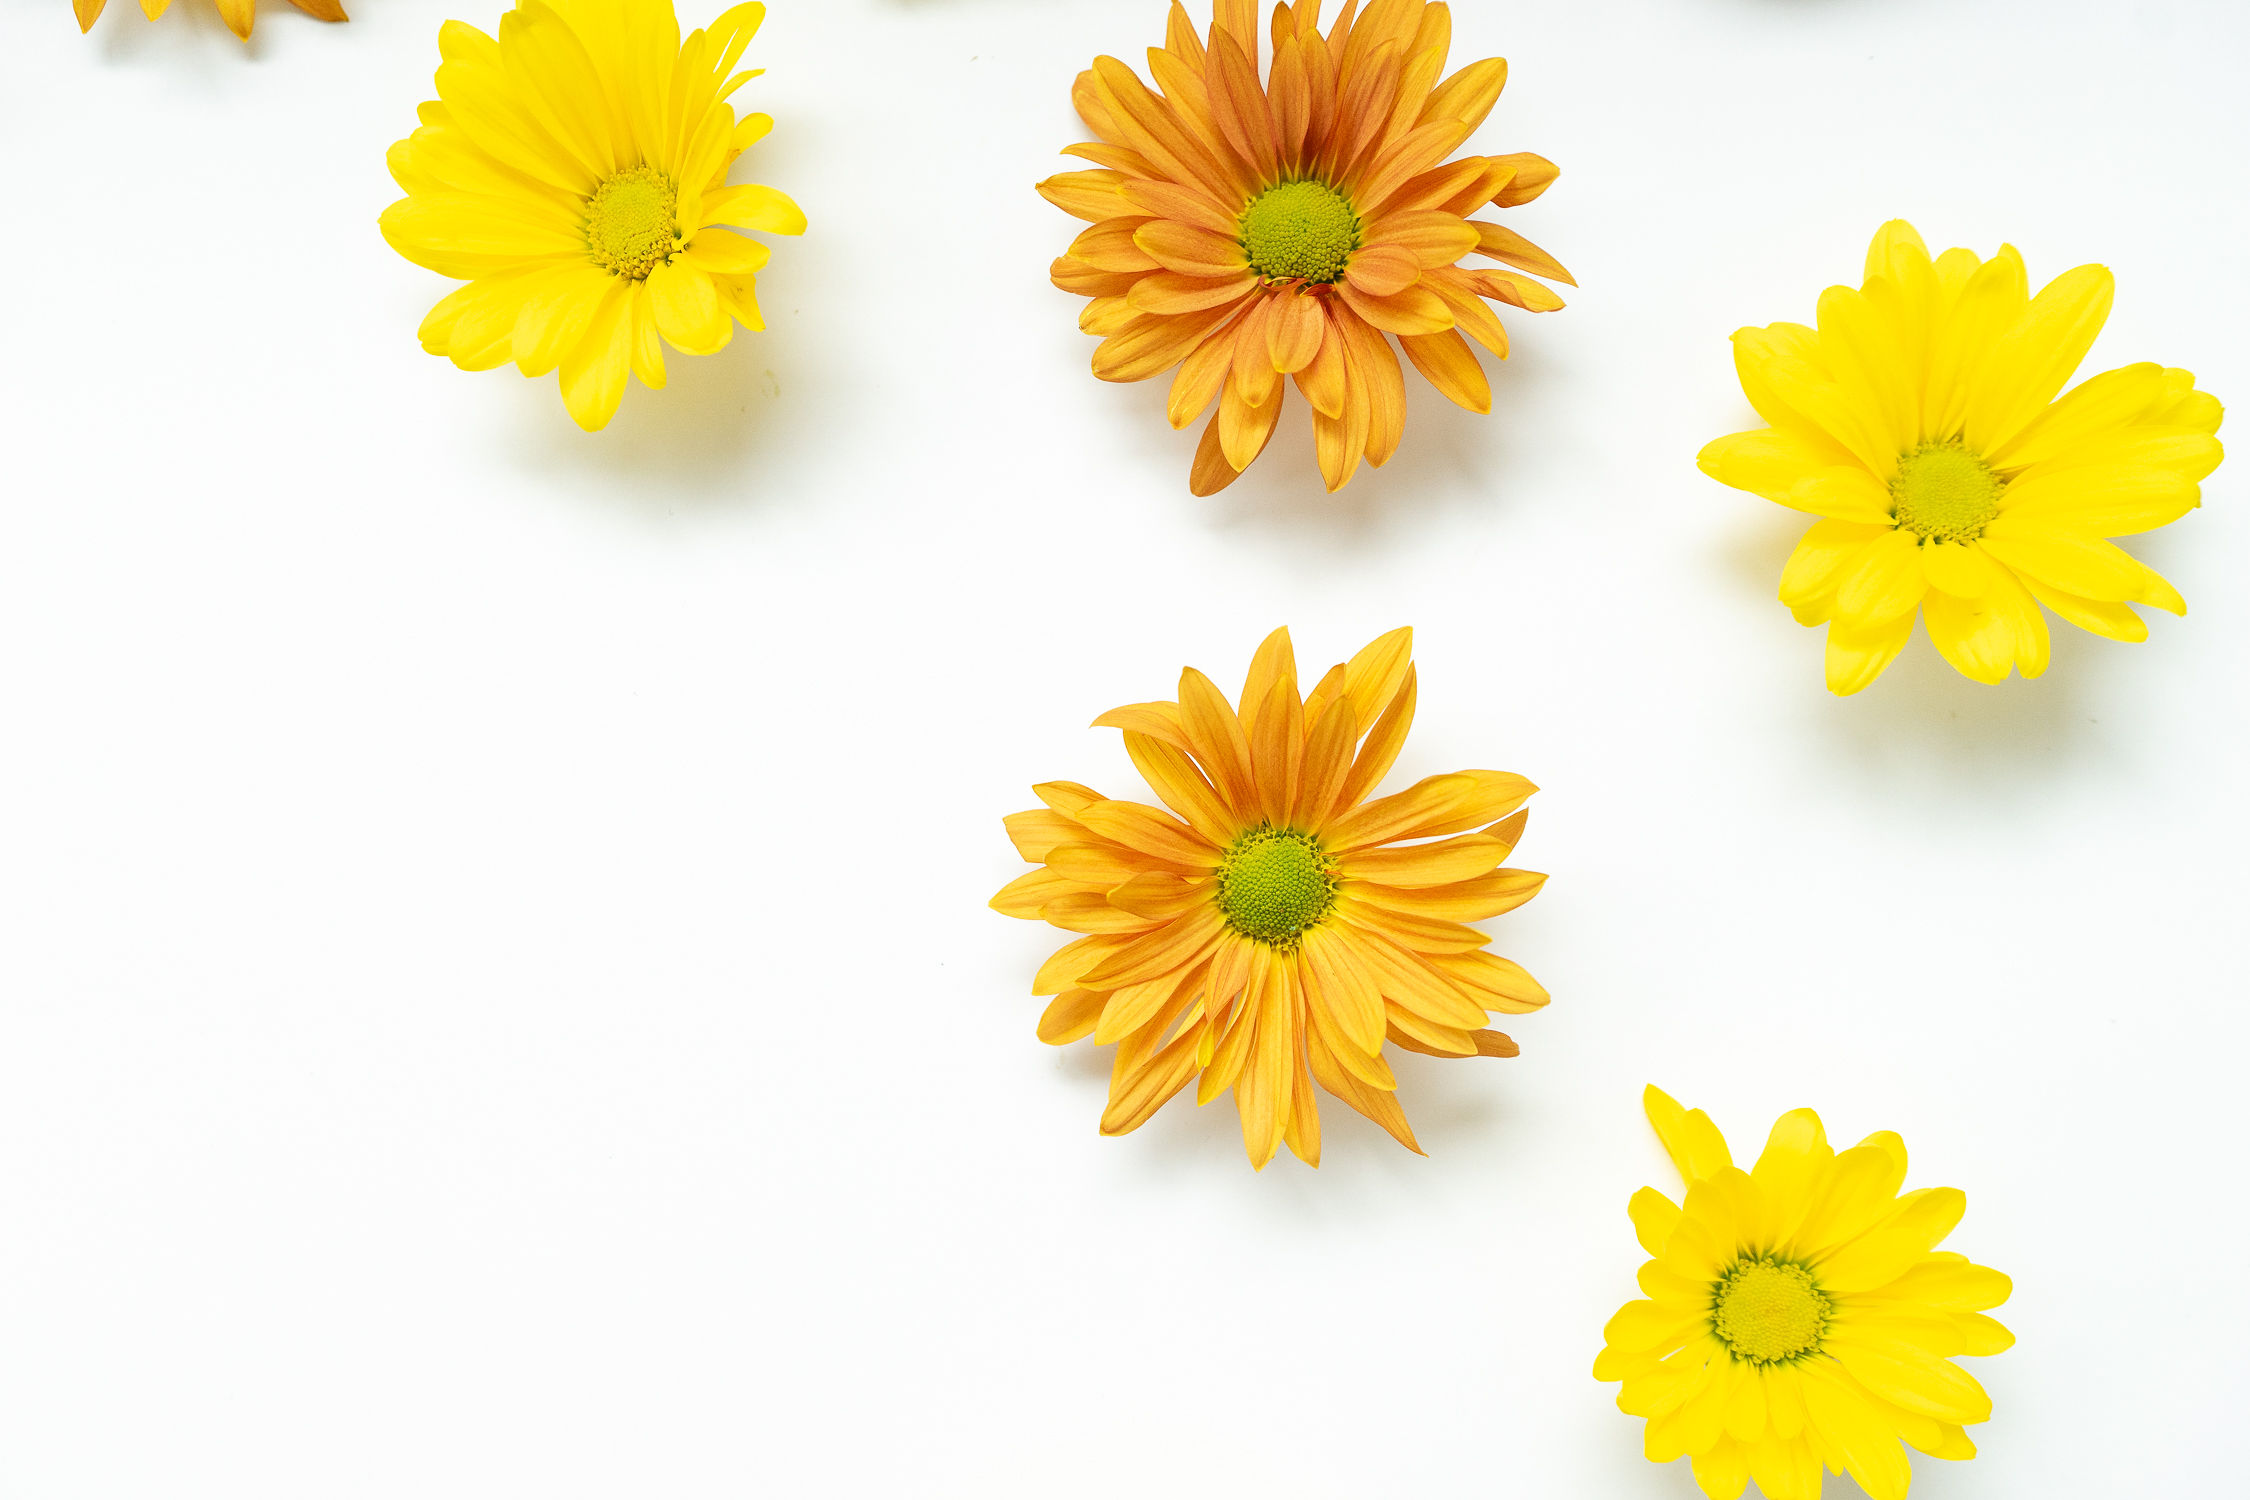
<point>240,15</point>
<point>1246,232</point>
<point>1276,920</point>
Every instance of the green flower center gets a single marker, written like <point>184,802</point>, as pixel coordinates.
<point>1273,884</point>
<point>1768,1311</point>
<point>1299,230</point>
<point>630,228</point>
<point>1945,493</point>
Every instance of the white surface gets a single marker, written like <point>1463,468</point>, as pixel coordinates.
<point>497,998</point>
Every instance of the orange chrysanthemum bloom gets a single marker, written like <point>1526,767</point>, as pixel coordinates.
<point>1279,922</point>
<point>240,15</point>
<point>1247,232</point>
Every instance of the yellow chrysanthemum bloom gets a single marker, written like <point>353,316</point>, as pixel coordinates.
<point>1279,922</point>
<point>1799,1314</point>
<point>574,174</point>
<point>1920,420</point>
<point>1248,231</point>
<point>239,15</point>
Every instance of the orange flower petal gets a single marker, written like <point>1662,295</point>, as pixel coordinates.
<point>1448,363</point>
<point>1294,331</point>
<point>1191,251</point>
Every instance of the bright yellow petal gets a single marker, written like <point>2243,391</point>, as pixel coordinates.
<point>1991,300</point>
<point>593,373</point>
<point>1884,581</point>
<point>1654,1217</point>
<point>1822,555</point>
<point>685,302</point>
<point>1790,470</point>
<point>1984,637</point>
<point>2092,569</point>
<point>1857,654</point>
<point>1692,1141</point>
<point>2033,360</point>
<point>721,252</point>
<point>754,206</point>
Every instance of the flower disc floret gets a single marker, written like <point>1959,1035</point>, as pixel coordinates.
<point>631,223</point>
<point>1303,231</point>
<point>1945,493</point>
<point>1768,1311</point>
<point>1274,883</point>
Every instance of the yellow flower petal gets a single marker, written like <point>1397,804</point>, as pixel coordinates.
<point>2152,483</point>
<point>687,309</point>
<point>2097,408</point>
<point>1791,470</point>
<point>1896,1244</point>
<point>1786,1469</point>
<point>1849,1422</point>
<point>1885,580</point>
<point>2033,360</point>
<point>1984,636</point>
<point>2075,565</point>
<point>1909,1378</point>
<point>1689,1137</point>
<point>1951,1282</point>
<point>1857,654</point>
<point>1654,1218</point>
<point>1808,579</point>
<point>753,206</point>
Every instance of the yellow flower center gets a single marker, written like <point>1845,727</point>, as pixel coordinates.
<point>1303,230</point>
<point>1768,1311</point>
<point>1273,884</point>
<point>630,228</point>
<point>1945,493</point>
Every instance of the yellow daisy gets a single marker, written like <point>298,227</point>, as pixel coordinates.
<point>1798,1314</point>
<point>573,173</point>
<point>1276,919</point>
<point>239,15</point>
<point>1255,230</point>
<point>1920,420</point>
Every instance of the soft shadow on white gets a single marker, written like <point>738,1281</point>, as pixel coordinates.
<point>1446,451</point>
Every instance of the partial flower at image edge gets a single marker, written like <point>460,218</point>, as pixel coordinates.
<point>572,172</point>
<point>1251,233</point>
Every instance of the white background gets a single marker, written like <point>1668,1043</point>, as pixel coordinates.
<point>496,996</point>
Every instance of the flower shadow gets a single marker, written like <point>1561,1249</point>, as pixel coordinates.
<point>1925,732</point>
<point>1447,456</point>
<point>685,445</point>
<point>190,38</point>
<point>1922,729</point>
<point>1456,1106</point>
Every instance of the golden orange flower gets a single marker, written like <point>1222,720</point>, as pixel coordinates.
<point>1279,922</point>
<point>1246,231</point>
<point>240,15</point>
